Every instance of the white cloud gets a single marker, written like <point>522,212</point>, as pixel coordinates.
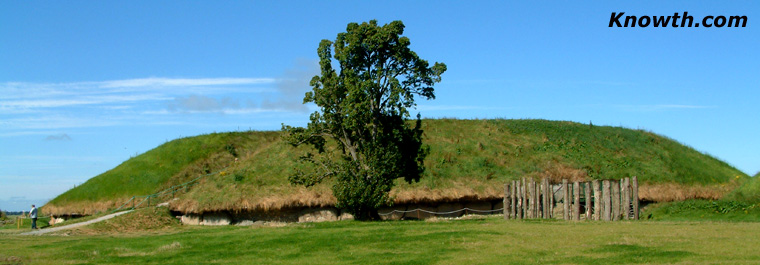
<point>174,82</point>
<point>20,106</point>
<point>37,108</point>
<point>23,97</point>
<point>58,137</point>
<point>198,103</point>
<point>293,86</point>
<point>55,121</point>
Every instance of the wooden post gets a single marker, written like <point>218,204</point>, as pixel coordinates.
<point>524,189</point>
<point>529,194</point>
<point>576,201</point>
<point>606,204</point>
<point>587,189</point>
<point>597,200</point>
<point>635,197</point>
<point>542,198</point>
<point>625,190</point>
<point>537,196</point>
<point>534,198</point>
<point>551,200</point>
<point>519,200</point>
<point>547,194</point>
<point>505,202</point>
<point>615,200</point>
<point>514,203</point>
<point>534,202</point>
<point>565,200</point>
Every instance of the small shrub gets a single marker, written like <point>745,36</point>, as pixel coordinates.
<point>721,206</point>
<point>231,149</point>
<point>239,177</point>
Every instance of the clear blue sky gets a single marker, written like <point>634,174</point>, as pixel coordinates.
<point>84,85</point>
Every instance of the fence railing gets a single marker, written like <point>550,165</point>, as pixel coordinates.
<point>463,210</point>
<point>608,200</point>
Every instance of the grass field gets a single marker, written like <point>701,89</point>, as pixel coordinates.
<point>481,240</point>
<point>26,223</point>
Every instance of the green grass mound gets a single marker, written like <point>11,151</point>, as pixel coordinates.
<point>153,219</point>
<point>468,159</point>
<point>704,210</point>
<point>749,191</point>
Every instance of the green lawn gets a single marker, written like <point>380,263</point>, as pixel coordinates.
<point>489,240</point>
<point>26,223</point>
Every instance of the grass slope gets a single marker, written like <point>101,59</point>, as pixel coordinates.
<point>749,191</point>
<point>715,210</point>
<point>475,241</point>
<point>468,159</point>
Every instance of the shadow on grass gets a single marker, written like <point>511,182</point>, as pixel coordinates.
<point>630,254</point>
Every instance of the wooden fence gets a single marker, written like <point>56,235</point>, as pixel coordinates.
<point>607,200</point>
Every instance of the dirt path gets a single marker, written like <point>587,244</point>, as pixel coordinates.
<point>55,229</point>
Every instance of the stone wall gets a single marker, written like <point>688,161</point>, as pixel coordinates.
<point>324,214</point>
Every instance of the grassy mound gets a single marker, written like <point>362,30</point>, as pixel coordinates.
<point>153,219</point>
<point>469,159</point>
<point>749,191</point>
<point>716,210</point>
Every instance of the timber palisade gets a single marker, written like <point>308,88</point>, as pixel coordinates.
<point>606,200</point>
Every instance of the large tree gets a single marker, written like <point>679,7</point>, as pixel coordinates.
<point>363,107</point>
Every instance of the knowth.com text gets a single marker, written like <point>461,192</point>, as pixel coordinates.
<point>677,20</point>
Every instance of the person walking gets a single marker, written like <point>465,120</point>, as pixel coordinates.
<point>33,215</point>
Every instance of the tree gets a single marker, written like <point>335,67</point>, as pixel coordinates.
<point>364,109</point>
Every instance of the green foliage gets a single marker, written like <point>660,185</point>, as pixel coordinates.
<point>712,206</point>
<point>691,210</point>
<point>231,149</point>
<point>749,191</point>
<point>364,108</point>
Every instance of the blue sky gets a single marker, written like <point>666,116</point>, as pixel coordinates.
<point>85,85</point>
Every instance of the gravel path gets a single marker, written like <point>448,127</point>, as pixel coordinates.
<point>54,229</point>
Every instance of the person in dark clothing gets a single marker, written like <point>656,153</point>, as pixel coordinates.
<point>33,215</point>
